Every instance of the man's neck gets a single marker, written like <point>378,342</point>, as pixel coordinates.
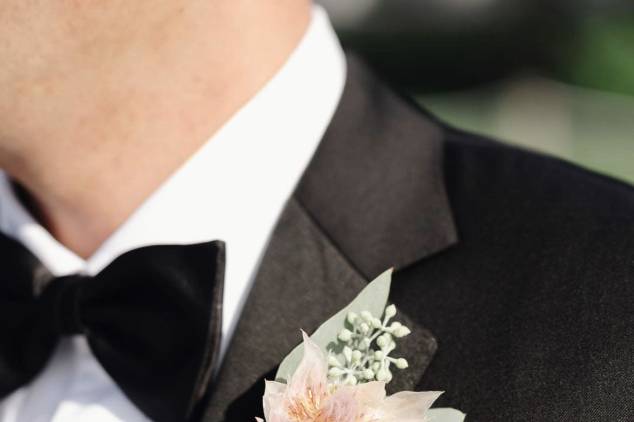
<point>89,145</point>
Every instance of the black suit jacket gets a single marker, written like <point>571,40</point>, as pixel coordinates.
<point>515,270</point>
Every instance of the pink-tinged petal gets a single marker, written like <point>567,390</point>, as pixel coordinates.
<point>342,406</point>
<point>369,394</point>
<point>273,398</point>
<point>311,376</point>
<point>273,387</point>
<point>275,405</point>
<point>407,406</point>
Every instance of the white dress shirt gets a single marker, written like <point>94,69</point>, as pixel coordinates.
<point>232,189</point>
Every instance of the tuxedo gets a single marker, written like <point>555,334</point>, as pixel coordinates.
<point>514,271</point>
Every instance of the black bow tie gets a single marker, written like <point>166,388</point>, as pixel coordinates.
<point>152,319</point>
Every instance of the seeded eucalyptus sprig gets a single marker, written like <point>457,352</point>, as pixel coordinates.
<point>366,346</point>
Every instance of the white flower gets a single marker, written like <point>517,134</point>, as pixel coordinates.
<point>308,397</point>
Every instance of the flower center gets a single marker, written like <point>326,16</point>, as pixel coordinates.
<point>306,408</point>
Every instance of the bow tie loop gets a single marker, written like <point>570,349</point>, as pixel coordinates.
<point>62,298</point>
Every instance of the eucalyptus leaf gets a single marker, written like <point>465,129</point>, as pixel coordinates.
<point>372,298</point>
<point>445,414</point>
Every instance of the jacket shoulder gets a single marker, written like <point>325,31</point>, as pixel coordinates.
<point>517,178</point>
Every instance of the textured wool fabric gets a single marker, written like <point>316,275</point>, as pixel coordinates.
<point>516,269</point>
<point>534,307</point>
<point>151,317</point>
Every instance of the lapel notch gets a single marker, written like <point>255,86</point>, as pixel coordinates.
<point>375,184</point>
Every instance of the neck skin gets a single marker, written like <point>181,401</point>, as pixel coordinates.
<point>102,119</point>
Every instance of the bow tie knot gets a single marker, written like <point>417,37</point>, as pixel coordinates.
<point>63,298</point>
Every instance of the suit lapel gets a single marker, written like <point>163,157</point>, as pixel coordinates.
<point>302,281</point>
<point>373,197</point>
<point>376,183</point>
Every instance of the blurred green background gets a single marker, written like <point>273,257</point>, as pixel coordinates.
<point>553,75</point>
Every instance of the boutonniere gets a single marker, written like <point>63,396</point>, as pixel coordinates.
<point>339,373</point>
